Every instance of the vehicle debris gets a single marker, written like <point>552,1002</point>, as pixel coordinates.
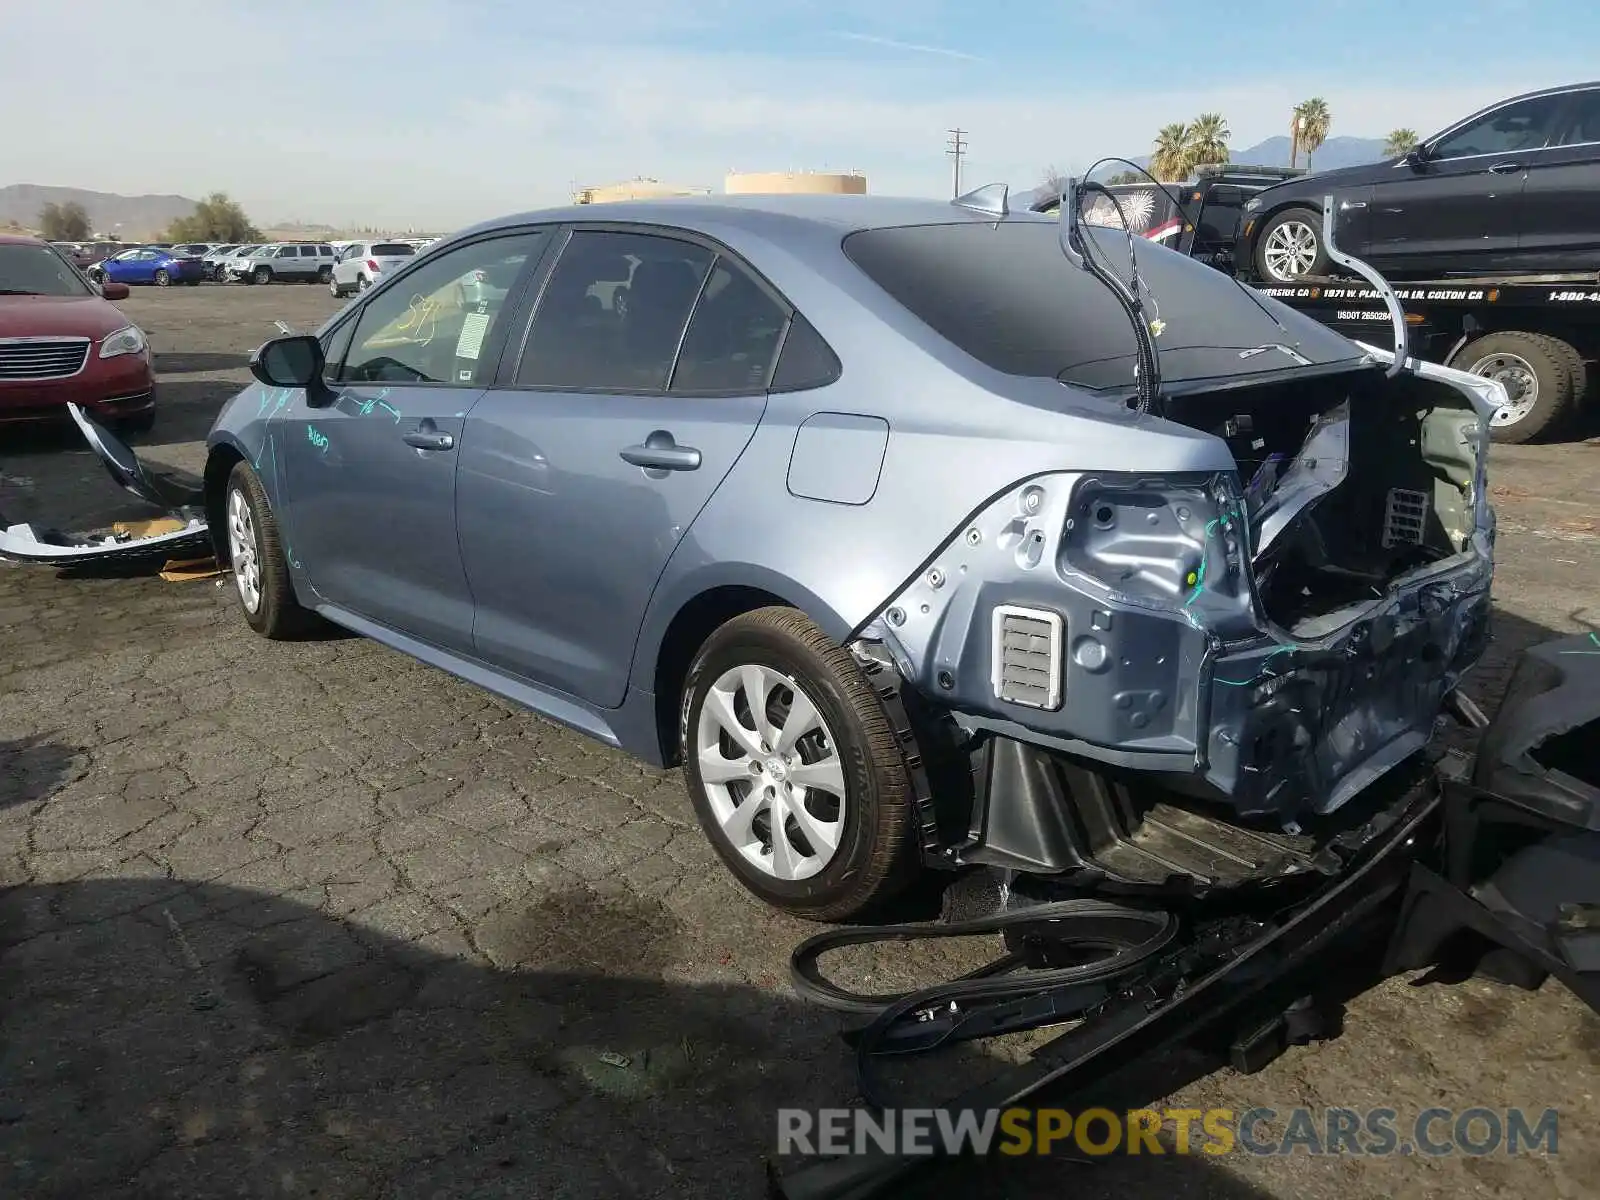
<point>177,537</point>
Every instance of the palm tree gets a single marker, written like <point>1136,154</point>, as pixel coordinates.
<point>1400,141</point>
<point>1310,127</point>
<point>1171,159</point>
<point>1208,139</point>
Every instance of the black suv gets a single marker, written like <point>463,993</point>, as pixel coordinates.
<point>1513,188</point>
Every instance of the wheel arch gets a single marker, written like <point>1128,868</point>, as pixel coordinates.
<point>678,627</point>
<point>220,461</point>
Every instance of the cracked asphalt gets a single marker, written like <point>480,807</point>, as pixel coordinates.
<point>286,920</point>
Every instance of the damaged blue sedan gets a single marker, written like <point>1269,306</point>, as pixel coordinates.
<point>885,521</point>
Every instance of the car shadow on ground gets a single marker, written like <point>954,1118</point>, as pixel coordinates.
<point>165,1039</point>
<point>193,363</point>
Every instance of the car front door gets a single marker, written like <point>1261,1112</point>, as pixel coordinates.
<point>1560,217</point>
<point>642,379</point>
<point>1457,206</point>
<point>136,266</point>
<point>372,476</point>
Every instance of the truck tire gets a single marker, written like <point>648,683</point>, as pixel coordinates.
<point>813,816</point>
<point>1289,246</point>
<point>1538,374</point>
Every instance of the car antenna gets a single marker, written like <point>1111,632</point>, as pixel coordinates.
<point>992,199</point>
<point>1081,252</point>
<point>1397,315</point>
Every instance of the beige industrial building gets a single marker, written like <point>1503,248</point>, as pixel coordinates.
<point>851,183</point>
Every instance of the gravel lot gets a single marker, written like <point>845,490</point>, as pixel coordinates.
<point>313,920</point>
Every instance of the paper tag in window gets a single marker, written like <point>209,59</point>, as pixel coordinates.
<point>473,329</point>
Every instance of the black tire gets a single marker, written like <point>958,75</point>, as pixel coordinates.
<point>278,614</point>
<point>1511,355</point>
<point>875,856</point>
<point>362,283</point>
<point>334,290</point>
<point>261,275</point>
<point>324,274</point>
<point>162,278</point>
<point>1310,224</point>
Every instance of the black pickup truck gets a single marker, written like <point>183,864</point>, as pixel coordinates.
<point>1535,333</point>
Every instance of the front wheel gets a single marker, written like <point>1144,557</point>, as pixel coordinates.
<point>794,769</point>
<point>335,290</point>
<point>256,556</point>
<point>261,275</point>
<point>1290,247</point>
<point>163,279</point>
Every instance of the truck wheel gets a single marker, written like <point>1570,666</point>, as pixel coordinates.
<point>1537,372</point>
<point>261,275</point>
<point>794,768</point>
<point>1289,246</point>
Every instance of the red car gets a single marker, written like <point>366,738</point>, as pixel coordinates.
<point>61,340</point>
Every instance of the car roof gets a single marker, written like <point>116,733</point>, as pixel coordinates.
<point>769,215</point>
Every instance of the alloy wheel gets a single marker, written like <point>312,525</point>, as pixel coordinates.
<point>243,550</point>
<point>1290,251</point>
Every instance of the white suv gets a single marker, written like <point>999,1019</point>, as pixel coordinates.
<point>364,263</point>
<point>304,262</point>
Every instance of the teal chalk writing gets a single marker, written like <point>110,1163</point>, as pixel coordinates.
<point>317,438</point>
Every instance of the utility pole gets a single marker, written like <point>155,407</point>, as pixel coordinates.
<point>956,149</point>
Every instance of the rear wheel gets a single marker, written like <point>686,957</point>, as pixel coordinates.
<point>324,274</point>
<point>1542,376</point>
<point>255,553</point>
<point>1289,246</point>
<point>162,278</point>
<point>794,769</point>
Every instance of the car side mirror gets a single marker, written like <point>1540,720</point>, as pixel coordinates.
<point>294,361</point>
<point>114,291</point>
<point>1416,156</point>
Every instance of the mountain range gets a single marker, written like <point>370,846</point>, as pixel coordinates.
<point>1274,152</point>
<point>138,216</point>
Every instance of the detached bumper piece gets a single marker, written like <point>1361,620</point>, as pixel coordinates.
<point>1516,896</point>
<point>183,534</point>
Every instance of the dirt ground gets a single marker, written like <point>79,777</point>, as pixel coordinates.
<point>313,920</point>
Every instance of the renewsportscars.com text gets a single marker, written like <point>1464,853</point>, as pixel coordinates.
<point>1375,1132</point>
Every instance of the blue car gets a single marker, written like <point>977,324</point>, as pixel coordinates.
<point>149,264</point>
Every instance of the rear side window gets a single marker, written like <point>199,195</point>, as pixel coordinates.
<point>391,249</point>
<point>1583,125</point>
<point>613,312</point>
<point>1006,295</point>
<point>732,337</point>
<point>308,252</point>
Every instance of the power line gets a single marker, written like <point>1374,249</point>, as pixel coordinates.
<point>955,150</point>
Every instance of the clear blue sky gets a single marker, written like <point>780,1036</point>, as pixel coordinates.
<point>440,112</point>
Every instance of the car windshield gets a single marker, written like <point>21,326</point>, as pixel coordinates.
<point>1005,294</point>
<point>391,249</point>
<point>38,271</point>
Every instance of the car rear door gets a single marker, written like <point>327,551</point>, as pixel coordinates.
<point>641,380</point>
<point>1561,201</point>
<point>1460,206</point>
<point>372,476</point>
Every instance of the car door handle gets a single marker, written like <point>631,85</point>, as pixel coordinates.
<point>1505,168</point>
<point>426,439</point>
<point>661,453</point>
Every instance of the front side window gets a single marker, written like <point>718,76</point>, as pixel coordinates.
<point>435,326</point>
<point>1509,130</point>
<point>732,337</point>
<point>613,312</point>
<point>285,251</point>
